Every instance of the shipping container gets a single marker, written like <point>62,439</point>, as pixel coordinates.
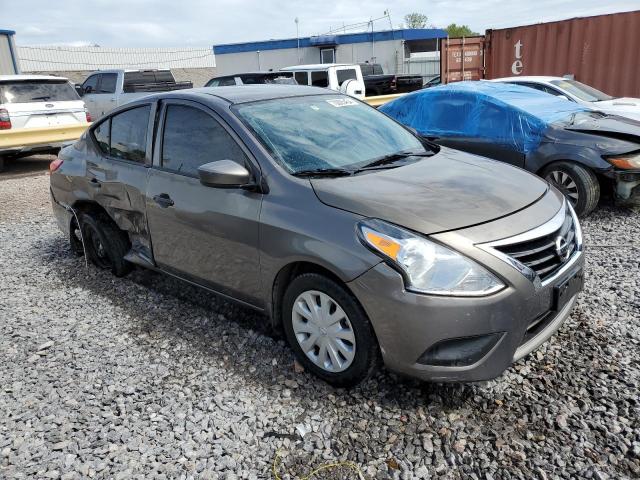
<point>601,51</point>
<point>461,59</point>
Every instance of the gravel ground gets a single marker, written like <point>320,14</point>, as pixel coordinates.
<point>146,377</point>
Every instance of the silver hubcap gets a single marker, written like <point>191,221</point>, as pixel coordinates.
<point>323,331</point>
<point>565,184</point>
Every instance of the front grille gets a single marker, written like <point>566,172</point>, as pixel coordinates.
<point>547,254</point>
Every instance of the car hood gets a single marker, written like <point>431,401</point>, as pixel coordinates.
<point>448,191</point>
<point>612,126</point>
<point>628,107</point>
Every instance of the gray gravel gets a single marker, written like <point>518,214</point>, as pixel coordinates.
<point>146,377</point>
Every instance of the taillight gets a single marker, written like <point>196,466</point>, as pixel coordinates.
<point>88,115</point>
<point>55,165</point>
<point>5,121</point>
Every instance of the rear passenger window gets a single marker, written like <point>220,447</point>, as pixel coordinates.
<point>101,134</point>
<point>302,78</point>
<point>129,134</point>
<point>192,138</point>
<point>320,79</point>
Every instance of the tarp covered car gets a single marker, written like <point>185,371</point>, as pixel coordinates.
<point>573,147</point>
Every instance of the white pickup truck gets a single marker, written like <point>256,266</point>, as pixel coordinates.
<point>341,77</point>
<point>105,90</point>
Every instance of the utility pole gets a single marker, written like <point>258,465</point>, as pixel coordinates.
<point>298,38</point>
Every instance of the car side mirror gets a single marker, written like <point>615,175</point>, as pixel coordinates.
<point>224,174</point>
<point>79,90</point>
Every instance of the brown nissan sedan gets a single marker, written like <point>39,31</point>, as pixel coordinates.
<point>354,236</point>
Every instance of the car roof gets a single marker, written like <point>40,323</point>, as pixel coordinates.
<point>316,66</point>
<point>18,78</point>
<point>246,93</point>
<point>530,78</point>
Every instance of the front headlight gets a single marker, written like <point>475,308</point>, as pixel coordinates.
<point>627,161</point>
<point>428,267</point>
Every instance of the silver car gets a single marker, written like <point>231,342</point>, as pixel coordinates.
<point>357,239</point>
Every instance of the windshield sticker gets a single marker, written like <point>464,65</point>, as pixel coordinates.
<point>315,107</point>
<point>342,102</point>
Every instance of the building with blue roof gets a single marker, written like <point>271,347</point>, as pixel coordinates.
<point>393,49</point>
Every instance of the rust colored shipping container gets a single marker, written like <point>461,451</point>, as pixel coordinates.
<point>461,59</point>
<point>601,51</point>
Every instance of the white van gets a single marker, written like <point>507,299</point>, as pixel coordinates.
<point>36,101</point>
<point>341,77</point>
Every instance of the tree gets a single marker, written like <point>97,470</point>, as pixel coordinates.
<point>454,30</point>
<point>415,20</point>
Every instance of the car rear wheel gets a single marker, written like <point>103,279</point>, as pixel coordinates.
<point>579,184</point>
<point>106,245</point>
<point>328,331</point>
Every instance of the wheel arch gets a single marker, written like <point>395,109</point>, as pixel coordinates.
<point>284,277</point>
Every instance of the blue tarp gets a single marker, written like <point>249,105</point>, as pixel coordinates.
<point>502,113</point>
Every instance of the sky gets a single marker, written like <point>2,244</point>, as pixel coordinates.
<point>172,23</point>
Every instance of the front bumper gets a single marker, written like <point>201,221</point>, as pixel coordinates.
<point>444,338</point>
<point>627,187</point>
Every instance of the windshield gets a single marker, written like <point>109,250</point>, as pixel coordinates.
<point>325,132</point>
<point>29,91</point>
<point>582,91</point>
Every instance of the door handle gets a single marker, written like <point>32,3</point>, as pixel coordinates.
<point>94,182</point>
<point>164,200</point>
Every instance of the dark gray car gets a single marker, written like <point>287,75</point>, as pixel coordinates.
<point>350,233</point>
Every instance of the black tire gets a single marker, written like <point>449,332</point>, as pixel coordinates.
<point>573,179</point>
<point>367,353</point>
<point>106,245</point>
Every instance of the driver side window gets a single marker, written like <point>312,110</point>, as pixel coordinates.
<point>90,84</point>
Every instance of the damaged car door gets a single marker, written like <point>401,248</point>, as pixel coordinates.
<point>117,170</point>
<point>204,234</point>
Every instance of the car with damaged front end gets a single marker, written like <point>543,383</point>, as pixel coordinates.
<point>578,150</point>
<point>358,239</point>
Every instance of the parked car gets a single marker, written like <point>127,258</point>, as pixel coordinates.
<point>378,83</point>
<point>33,101</point>
<point>574,148</point>
<point>354,236</point>
<point>580,93</point>
<point>107,89</point>
<point>252,78</point>
<point>343,78</point>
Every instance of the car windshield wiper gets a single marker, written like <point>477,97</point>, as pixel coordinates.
<point>394,157</point>
<point>44,97</point>
<point>323,172</point>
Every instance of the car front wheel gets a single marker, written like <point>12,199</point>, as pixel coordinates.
<point>579,184</point>
<point>328,330</point>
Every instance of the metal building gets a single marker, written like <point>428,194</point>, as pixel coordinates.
<point>196,64</point>
<point>393,49</point>
<point>8,59</point>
